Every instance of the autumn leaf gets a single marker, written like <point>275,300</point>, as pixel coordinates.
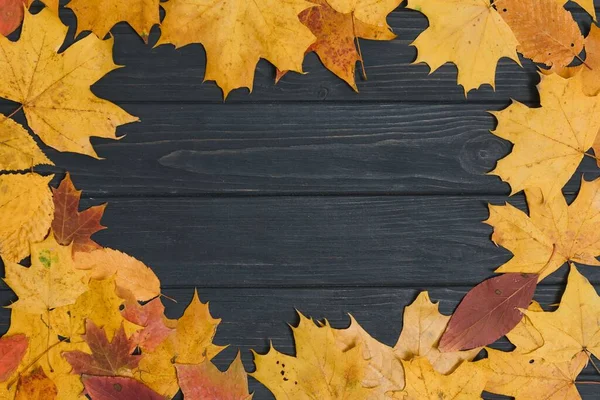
<point>521,377</point>
<point>70,225</point>
<point>205,381</point>
<point>422,327</point>
<point>131,275</point>
<point>525,336</point>
<point>26,210</point>
<point>12,350</point>
<point>573,328</point>
<point>549,141</point>
<point>546,31</point>
<point>587,5</point>
<point>54,88</point>
<point>336,39</point>
<point>468,33</point>
<point>384,371</point>
<point>367,11</point>
<point>118,388</point>
<point>552,234</point>
<point>99,16</point>
<point>36,385</point>
<point>50,282</point>
<point>11,15</point>
<point>190,343</point>
<point>18,151</point>
<point>151,316</point>
<point>107,358</point>
<point>320,369</point>
<point>488,311</point>
<point>424,383</point>
<point>236,34</point>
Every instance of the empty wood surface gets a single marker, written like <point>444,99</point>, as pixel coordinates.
<point>305,195</point>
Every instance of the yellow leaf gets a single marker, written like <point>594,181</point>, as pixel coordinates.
<point>52,281</point>
<point>573,328</point>
<point>553,234</point>
<point>384,371</point>
<point>54,88</point>
<point>18,151</point>
<point>524,378</point>
<point>422,328</point>
<point>100,303</point>
<point>524,336</point>
<point>26,211</point>
<point>320,369</point>
<point>237,33</point>
<point>372,12</point>
<point>424,383</point>
<point>549,141</point>
<point>468,33</point>
<point>190,343</point>
<point>131,275</point>
<point>99,16</point>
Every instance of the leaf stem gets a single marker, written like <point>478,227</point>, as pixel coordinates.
<point>587,382</point>
<point>591,156</point>
<point>167,297</point>
<point>362,62</point>
<point>32,363</point>
<point>13,113</point>
<point>589,355</point>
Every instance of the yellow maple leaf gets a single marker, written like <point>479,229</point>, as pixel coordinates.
<point>99,16</point>
<point>573,328</point>
<point>552,234</point>
<point>368,11</point>
<point>521,377</point>
<point>26,211</point>
<point>320,369</point>
<point>237,33</point>
<point>190,343</point>
<point>54,88</point>
<point>52,281</point>
<point>469,33</point>
<point>18,151</point>
<point>422,328</point>
<point>424,383</point>
<point>549,141</point>
<point>524,336</point>
<point>130,274</point>
<point>384,370</point>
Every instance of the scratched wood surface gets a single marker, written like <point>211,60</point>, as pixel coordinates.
<point>304,195</point>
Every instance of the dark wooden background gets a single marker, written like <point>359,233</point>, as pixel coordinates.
<point>304,194</point>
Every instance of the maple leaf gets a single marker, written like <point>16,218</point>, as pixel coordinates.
<point>236,34</point>
<point>573,328</point>
<point>18,151</point>
<point>100,16</point>
<point>424,383</point>
<point>384,371</point>
<point>422,328</point>
<point>54,89</point>
<point>70,225</point>
<point>205,381</point>
<point>336,35</point>
<point>367,11</point>
<point>552,234</point>
<point>36,385</point>
<point>521,377</point>
<point>107,358</point>
<point>524,336</point>
<point>151,316</point>
<point>468,33</point>
<point>12,350</point>
<point>320,369</point>
<point>546,31</point>
<point>190,343</point>
<point>25,213</point>
<point>549,141</point>
<point>131,275</point>
<point>50,282</point>
<point>488,311</point>
<point>118,388</point>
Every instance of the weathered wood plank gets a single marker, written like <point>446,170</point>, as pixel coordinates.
<point>405,241</point>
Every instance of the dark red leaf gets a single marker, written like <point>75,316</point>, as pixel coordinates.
<point>11,15</point>
<point>118,388</point>
<point>12,350</point>
<point>489,311</point>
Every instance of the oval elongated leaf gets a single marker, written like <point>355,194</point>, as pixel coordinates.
<point>118,388</point>
<point>488,311</point>
<point>12,350</point>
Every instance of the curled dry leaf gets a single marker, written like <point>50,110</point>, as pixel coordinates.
<point>12,350</point>
<point>118,388</point>
<point>54,88</point>
<point>489,311</point>
<point>18,151</point>
<point>25,215</point>
<point>320,369</point>
<point>552,234</point>
<point>468,33</point>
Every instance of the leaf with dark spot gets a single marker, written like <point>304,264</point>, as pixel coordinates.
<point>118,388</point>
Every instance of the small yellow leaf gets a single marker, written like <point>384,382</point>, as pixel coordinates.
<point>18,151</point>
